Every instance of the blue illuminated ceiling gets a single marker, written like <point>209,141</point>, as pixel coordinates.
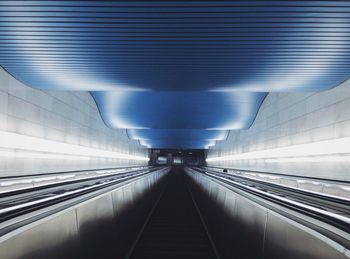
<point>178,110</point>
<point>177,74</point>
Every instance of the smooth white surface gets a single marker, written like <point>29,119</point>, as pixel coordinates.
<point>327,147</point>
<point>19,141</point>
<point>289,120</point>
<point>66,117</point>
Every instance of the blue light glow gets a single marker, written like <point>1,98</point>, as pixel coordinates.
<point>174,70</point>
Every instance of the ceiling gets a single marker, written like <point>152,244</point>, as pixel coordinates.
<point>177,74</point>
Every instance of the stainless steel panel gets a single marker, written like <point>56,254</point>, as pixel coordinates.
<point>214,189</point>
<point>250,228</point>
<point>96,227</point>
<point>244,229</point>
<point>221,197</point>
<point>99,228</point>
<point>51,239</point>
<point>289,240</point>
<point>118,202</point>
<point>230,203</point>
<point>128,196</point>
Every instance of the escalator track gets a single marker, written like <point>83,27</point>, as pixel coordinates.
<point>175,229</point>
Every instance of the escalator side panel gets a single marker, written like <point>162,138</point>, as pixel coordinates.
<point>54,238</point>
<point>101,227</point>
<point>95,220</point>
<point>242,228</point>
<point>284,237</point>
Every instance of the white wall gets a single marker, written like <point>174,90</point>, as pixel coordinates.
<point>286,119</point>
<point>70,117</point>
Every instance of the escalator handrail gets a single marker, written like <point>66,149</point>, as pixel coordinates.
<point>74,171</point>
<point>340,222</point>
<point>325,180</point>
<point>20,209</point>
<point>317,195</point>
<point>28,189</point>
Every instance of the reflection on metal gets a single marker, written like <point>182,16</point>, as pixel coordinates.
<point>272,230</point>
<point>109,214</point>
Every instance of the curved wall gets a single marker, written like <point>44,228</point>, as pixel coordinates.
<point>287,119</point>
<point>63,116</point>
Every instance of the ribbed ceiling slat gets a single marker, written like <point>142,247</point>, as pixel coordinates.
<point>183,53</point>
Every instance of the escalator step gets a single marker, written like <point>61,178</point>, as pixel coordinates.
<point>175,229</point>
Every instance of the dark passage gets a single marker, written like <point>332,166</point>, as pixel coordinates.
<point>175,229</point>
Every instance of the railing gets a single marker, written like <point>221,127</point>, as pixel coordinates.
<point>338,188</point>
<point>22,201</point>
<point>26,182</point>
<point>332,210</point>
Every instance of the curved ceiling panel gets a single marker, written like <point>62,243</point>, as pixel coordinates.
<point>178,138</point>
<point>178,110</point>
<point>177,65</point>
<point>176,45</point>
<point>183,144</point>
<point>177,134</point>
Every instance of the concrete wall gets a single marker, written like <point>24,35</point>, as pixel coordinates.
<point>286,119</point>
<point>69,117</point>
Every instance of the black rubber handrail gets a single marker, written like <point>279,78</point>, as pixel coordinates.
<point>70,172</point>
<point>10,212</point>
<point>292,190</point>
<point>10,193</point>
<point>279,174</point>
<point>12,222</point>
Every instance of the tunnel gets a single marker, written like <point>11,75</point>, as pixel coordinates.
<point>147,129</point>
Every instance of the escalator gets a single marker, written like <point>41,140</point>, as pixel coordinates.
<point>175,228</point>
<point>176,212</point>
<point>84,214</point>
